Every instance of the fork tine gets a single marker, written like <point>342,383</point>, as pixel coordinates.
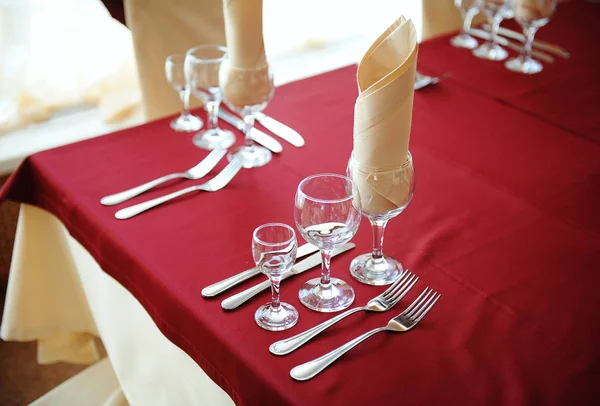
<point>424,312</point>
<point>408,286</point>
<point>420,304</point>
<point>413,304</point>
<point>398,283</point>
<point>415,313</point>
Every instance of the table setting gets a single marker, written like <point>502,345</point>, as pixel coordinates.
<point>489,177</point>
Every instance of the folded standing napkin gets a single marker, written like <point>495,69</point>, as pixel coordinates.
<point>382,114</point>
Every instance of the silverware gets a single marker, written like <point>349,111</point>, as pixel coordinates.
<point>510,45</point>
<point>422,81</point>
<point>281,130</point>
<point>381,303</point>
<point>315,259</point>
<point>401,323</point>
<point>197,172</point>
<point>230,282</point>
<point>539,44</point>
<point>261,137</point>
<point>216,183</point>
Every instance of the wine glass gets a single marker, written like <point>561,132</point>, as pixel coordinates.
<point>531,16</point>
<point>384,194</point>
<point>327,213</point>
<point>274,249</point>
<point>468,10</point>
<point>247,92</point>
<point>496,11</point>
<point>186,122</point>
<point>202,65</point>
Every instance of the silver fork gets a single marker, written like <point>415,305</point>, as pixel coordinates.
<point>216,183</point>
<point>422,81</point>
<point>197,172</point>
<point>381,303</point>
<point>401,323</point>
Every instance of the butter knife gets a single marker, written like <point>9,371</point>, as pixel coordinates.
<point>315,259</point>
<point>222,286</point>
<point>539,44</point>
<point>281,130</point>
<point>511,45</point>
<point>261,137</point>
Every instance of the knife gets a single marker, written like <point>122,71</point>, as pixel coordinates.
<point>511,45</point>
<point>262,138</point>
<point>281,130</point>
<point>545,46</point>
<point>315,259</point>
<point>230,282</point>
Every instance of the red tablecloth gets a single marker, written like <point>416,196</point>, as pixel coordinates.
<point>504,223</point>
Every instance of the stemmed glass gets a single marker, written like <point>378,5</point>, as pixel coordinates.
<point>496,11</point>
<point>202,65</point>
<point>247,92</point>
<point>186,122</point>
<point>531,16</point>
<point>274,249</point>
<point>384,194</point>
<point>327,213</point>
<point>468,10</point>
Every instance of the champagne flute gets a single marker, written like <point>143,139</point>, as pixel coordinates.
<point>468,10</point>
<point>531,16</point>
<point>247,91</point>
<point>274,249</point>
<point>327,213</point>
<point>202,65</point>
<point>186,122</point>
<point>496,11</point>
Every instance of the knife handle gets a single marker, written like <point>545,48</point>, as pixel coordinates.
<point>228,283</point>
<point>236,300</point>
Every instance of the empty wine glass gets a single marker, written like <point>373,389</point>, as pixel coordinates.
<point>202,65</point>
<point>174,70</point>
<point>247,92</point>
<point>384,194</point>
<point>468,10</point>
<point>327,213</point>
<point>274,249</point>
<point>496,11</point>
<point>531,16</point>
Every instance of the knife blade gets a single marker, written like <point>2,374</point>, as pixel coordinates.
<point>511,45</point>
<point>281,130</point>
<point>539,44</point>
<point>230,282</point>
<point>238,299</point>
<point>261,137</point>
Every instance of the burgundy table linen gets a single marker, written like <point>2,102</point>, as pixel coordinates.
<point>504,224</point>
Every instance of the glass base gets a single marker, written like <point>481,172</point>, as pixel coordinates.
<point>383,271</point>
<point>493,52</point>
<point>336,296</point>
<point>187,123</point>
<point>211,139</point>
<point>524,65</point>
<point>464,41</point>
<point>252,156</point>
<point>284,317</point>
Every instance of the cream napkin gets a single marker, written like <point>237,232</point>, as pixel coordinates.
<point>246,49</point>
<point>382,114</point>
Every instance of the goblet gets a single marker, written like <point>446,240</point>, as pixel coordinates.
<point>496,11</point>
<point>384,193</point>
<point>274,249</point>
<point>186,122</point>
<point>468,10</point>
<point>327,213</point>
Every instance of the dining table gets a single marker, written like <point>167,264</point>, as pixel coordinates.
<point>504,224</point>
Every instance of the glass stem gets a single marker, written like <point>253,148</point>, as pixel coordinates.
<point>212,107</point>
<point>275,283</point>
<point>184,95</point>
<point>325,267</point>
<point>378,231</point>
<point>529,35</point>
<point>248,125</point>
<point>467,19</point>
<point>495,27</point>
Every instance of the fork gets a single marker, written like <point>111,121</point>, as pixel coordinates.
<point>401,323</point>
<point>381,303</point>
<point>422,81</point>
<point>216,183</point>
<point>197,172</point>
